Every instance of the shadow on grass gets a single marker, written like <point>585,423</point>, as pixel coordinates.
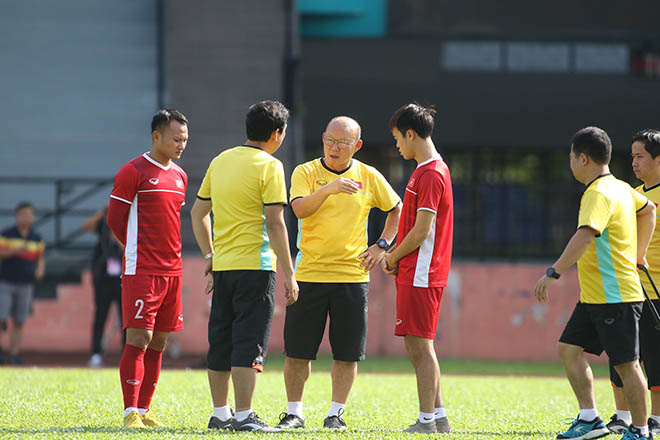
<point>204,432</point>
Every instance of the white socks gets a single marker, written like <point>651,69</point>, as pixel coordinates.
<point>242,415</point>
<point>624,415</point>
<point>128,410</point>
<point>440,413</point>
<point>222,412</point>
<point>335,408</point>
<point>295,408</point>
<point>588,414</point>
<point>426,417</point>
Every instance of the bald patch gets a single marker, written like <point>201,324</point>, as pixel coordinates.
<point>346,123</point>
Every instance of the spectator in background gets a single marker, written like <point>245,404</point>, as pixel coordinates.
<point>106,276</point>
<point>22,255</point>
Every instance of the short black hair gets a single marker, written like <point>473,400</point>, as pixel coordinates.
<point>164,116</point>
<point>22,205</point>
<point>651,139</point>
<point>263,118</point>
<point>413,117</point>
<point>593,142</point>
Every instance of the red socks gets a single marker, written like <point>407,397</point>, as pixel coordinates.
<point>152,363</point>
<point>131,372</point>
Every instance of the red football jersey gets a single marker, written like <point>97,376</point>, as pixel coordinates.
<point>429,188</point>
<point>155,194</point>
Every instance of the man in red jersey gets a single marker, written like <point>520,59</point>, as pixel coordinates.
<point>145,214</point>
<point>422,257</point>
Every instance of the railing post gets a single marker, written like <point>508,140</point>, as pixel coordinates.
<point>58,207</point>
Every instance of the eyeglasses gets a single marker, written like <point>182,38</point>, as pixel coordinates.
<point>340,143</point>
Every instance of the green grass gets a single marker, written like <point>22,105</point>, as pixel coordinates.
<point>515,403</point>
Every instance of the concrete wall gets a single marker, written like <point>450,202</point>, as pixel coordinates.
<point>488,312</point>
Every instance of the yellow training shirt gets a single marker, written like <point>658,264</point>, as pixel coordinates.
<point>653,253</point>
<point>330,240</point>
<point>608,269</point>
<point>240,182</point>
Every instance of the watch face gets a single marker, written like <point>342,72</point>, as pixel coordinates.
<point>382,243</point>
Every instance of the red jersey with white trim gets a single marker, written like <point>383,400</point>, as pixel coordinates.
<point>155,194</point>
<point>429,188</point>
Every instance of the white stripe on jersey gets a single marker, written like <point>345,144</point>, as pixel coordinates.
<point>130,252</point>
<point>120,199</point>
<point>408,189</point>
<point>424,259</point>
<point>160,190</point>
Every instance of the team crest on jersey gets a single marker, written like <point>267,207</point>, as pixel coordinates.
<point>179,183</point>
<point>359,184</point>
<point>153,181</point>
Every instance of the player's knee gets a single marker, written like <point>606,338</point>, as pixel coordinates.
<point>139,339</point>
<point>627,369</point>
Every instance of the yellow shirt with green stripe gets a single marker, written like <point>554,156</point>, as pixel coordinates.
<point>608,269</point>
<point>330,240</point>
<point>653,253</point>
<point>240,182</point>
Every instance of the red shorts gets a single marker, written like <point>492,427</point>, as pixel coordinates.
<point>417,310</point>
<point>152,302</point>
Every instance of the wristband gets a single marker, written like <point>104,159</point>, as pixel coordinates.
<point>208,256</point>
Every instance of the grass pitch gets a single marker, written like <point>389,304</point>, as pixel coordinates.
<point>483,401</point>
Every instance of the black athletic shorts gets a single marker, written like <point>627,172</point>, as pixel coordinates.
<point>610,327</point>
<point>241,315</point>
<point>649,348</point>
<point>345,303</point>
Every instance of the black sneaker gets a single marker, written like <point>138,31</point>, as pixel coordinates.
<point>251,423</point>
<point>335,422</point>
<point>654,427</point>
<point>616,425</point>
<point>290,421</point>
<point>216,423</point>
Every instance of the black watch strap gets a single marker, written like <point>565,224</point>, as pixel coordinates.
<point>552,273</point>
<point>383,244</point>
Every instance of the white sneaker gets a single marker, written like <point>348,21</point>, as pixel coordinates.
<point>96,361</point>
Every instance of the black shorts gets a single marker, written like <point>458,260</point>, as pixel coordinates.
<point>610,327</point>
<point>241,315</point>
<point>346,303</point>
<point>649,342</point>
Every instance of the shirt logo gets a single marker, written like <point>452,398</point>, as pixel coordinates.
<point>411,182</point>
<point>179,183</point>
<point>399,321</point>
<point>153,181</point>
<point>321,182</point>
<point>359,184</point>
<point>181,318</point>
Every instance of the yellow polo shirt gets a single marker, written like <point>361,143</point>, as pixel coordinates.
<point>240,182</point>
<point>608,269</point>
<point>653,253</point>
<point>330,240</point>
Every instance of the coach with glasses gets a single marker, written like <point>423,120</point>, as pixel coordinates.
<point>332,197</point>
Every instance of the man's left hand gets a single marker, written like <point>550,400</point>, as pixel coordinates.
<point>542,288</point>
<point>371,257</point>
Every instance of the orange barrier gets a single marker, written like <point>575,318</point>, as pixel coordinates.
<point>488,312</point>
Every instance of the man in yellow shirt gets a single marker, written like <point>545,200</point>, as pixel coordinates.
<point>615,224</point>
<point>244,186</point>
<point>646,166</point>
<point>332,197</point>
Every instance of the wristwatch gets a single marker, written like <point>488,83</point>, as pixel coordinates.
<point>552,273</point>
<point>383,244</point>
